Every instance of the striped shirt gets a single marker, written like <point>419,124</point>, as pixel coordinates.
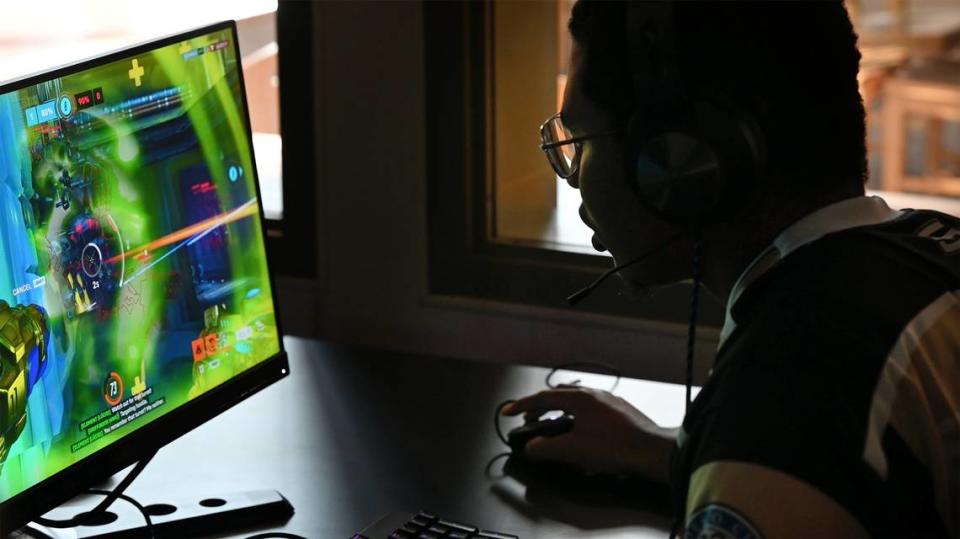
<point>834,402</point>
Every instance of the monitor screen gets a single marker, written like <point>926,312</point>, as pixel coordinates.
<point>133,273</point>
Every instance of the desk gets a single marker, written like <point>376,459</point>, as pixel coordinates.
<point>353,434</point>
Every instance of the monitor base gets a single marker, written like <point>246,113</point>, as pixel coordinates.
<point>173,518</point>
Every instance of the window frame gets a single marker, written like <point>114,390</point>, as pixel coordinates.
<point>295,234</point>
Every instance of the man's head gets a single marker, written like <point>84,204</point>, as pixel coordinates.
<point>790,66</point>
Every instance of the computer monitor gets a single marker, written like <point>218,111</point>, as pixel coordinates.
<point>135,298</point>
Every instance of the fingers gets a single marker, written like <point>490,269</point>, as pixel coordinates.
<point>565,399</point>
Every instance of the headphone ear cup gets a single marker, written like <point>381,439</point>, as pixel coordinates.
<point>679,176</point>
<point>739,145</point>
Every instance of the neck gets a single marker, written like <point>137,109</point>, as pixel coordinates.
<point>730,247</point>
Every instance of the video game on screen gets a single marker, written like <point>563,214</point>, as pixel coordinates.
<point>132,269</point>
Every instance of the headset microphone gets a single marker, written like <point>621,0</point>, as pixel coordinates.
<point>577,296</point>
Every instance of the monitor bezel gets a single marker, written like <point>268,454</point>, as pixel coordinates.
<point>72,480</point>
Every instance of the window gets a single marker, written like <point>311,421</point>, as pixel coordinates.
<point>531,47</point>
<point>503,241</point>
<point>497,69</point>
<point>908,80</point>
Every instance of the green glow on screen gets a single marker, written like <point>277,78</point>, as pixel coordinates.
<point>127,148</point>
<point>132,262</point>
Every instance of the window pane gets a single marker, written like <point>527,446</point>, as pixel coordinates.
<point>908,79</point>
<point>530,50</point>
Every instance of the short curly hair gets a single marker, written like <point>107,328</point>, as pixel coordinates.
<point>792,65</point>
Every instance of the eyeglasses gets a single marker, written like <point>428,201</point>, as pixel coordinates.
<point>561,147</point>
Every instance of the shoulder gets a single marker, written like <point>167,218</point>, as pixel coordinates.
<point>858,287</point>
<point>921,247</point>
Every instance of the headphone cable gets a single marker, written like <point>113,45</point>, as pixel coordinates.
<point>694,308</point>
<point>677,525</point>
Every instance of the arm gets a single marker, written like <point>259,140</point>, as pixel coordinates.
<point>750,500</point>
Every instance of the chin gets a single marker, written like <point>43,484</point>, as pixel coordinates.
<point>645,277</point>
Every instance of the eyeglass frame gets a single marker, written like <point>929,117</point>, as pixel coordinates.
<point>575,162</point>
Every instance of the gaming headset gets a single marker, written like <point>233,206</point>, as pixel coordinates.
<point>694,157</point>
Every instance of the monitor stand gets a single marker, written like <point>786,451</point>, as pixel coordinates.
<point>173,518</point>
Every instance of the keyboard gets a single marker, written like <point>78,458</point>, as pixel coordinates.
<point>424,525</point>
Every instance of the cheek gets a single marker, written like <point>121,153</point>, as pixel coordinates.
<point>622,221</point>
<point>606,190</point>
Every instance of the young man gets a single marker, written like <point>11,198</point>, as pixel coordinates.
<point>833,406</point>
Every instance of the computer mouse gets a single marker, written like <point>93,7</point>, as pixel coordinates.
<point>549,427</point>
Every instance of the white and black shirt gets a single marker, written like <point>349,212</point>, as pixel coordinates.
<point>834,401</point>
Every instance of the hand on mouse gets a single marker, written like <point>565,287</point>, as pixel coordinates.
<point>609,435</point>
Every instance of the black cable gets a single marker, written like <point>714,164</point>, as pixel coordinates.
<point>113,495</point>
<point>691,335</point>
<point>277,535</point>
<point>694,307</point>
<point>603,368</point>
<point>496,421</point>
<point>691,338</point>
<point>489,466</point>
<point>131,501</point>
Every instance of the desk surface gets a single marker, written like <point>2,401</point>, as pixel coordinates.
<point>353,434</point>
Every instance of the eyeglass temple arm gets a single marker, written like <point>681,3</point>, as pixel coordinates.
<point>549,145</point>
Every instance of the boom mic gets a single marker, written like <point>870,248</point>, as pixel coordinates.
<point>579,295</point>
